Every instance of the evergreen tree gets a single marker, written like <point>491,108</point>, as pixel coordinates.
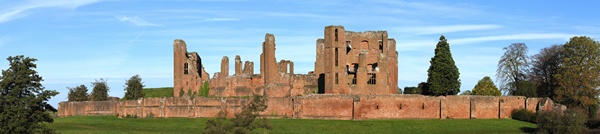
<point>78,93</point>
<point>486,86</point>
<point>133,88</point>
<point>100,91</point>
<point>443,75</point>
<point>23,101</point>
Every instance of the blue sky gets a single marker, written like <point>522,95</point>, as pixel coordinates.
<point>79,41</point>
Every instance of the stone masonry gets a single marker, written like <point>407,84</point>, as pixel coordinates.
<point>347,63</point>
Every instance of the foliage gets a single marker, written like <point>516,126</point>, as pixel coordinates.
<point>23,100</point>
<point>112,124</point>
<point>592,110</point>
<point>544,66</point>
<point>571,121</point>
<point>412,90</point>
<point>512,67</point>
<point>158,92</point>
<point>78,93</point>
<point>100,91</point>
<point>523,115</point>
<point>203,91</point>
<point>133,88</point>
<point>579,73</point>
<point>244,122</point>
<point>468,92</point>
<point>526,88</point>
<point>423,88</point>
<point>486,86</point>
<point>443,75</point>
<point>181,92</point>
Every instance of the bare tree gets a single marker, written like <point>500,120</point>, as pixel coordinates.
<point>512,67</point>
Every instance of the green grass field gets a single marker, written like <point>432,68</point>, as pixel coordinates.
<point>158,92</point>
<point>111,124</point>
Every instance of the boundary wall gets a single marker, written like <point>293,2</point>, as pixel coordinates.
<point>319,106</point>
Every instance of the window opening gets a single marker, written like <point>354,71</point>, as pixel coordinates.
<point>372,78</point>
<point>185,68</point>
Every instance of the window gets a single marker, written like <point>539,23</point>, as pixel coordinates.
<point>381,46</point>
<point>185,68</point>
<point>336,35</point>
<point>336,56</point>
<point>337,81</point>
<point>372,78</point>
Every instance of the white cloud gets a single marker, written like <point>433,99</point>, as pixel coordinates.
<point>19,10</point>
<point>526,36</point>
<point>446,29</point>
<point>135,20</point>
<point>222,19</point>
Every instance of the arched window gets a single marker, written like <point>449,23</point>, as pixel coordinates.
<point>185,68</point>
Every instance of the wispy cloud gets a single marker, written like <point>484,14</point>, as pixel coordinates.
<point>135,20</point>
<point>19,10</point>
<point>222,19</point>
<point>446,29</point>
<point>526,36</point>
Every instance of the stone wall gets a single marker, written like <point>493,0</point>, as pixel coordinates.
<point>320,106</point>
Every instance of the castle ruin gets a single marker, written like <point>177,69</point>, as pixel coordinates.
<point>346,63</point>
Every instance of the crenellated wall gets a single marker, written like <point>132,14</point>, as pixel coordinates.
<point>320,106</point>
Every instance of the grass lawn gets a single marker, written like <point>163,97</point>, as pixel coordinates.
<point>111,124</point>
<point>158,92</point>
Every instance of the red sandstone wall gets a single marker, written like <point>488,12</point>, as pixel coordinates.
<point>457,107</point>
<point>485,107</point>
<point>399,106</point>
<point>323,106</point>
<point>87,108</point>
<point>318,106</point>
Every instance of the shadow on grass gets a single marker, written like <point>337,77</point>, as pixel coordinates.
<point>527,129</point>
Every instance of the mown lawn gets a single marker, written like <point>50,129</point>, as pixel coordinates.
<point>111,124</point>
<point>158,92</point>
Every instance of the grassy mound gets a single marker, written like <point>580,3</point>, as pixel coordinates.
<point>158,92</point>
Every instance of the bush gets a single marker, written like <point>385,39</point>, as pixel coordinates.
<point>592,110</point>
<point>523,115</point>
<point>572,121</point>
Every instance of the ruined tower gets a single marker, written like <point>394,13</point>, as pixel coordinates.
<point>188,72</point>
<point>356,62</point>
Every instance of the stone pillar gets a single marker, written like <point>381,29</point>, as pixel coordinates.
<point>238,65</point>
<point>361,73</point>
<point>224,67</point>
<point>269,61</point>
<point>382,75</point>
<point>319,63</point>
<point>179,58</point>
<point>291,64</point>
<point>248,68</point>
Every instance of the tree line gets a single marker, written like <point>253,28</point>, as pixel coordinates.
<point>133,90</point>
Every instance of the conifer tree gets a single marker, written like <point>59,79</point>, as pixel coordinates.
<point>486,86</point>
<point>443,75</point>
<point>133,88</point>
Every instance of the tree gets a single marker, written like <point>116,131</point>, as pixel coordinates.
<point>544,66</point>
<point>468,92</point>
<point>78,93</point>
<point>23,100</point>
<point>512,67</point>
<point>244,122</point>
<point>412,90</point>
<point>526,88</point>
<point>486,86</point>
<point>578,76</point>
<point>443,75</point>
<point>133,88</point>
<point>100,91</point>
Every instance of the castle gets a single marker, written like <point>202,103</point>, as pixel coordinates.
<point>346,63</point>
<point>355,77</point>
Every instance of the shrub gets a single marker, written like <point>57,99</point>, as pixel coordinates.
<point>203,91</point>
<point>150,115</point>
<point>523,115</point>
<point>592,110</point>
<point>571,121</point>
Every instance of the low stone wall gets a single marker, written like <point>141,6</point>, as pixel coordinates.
<point>319,106</point>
